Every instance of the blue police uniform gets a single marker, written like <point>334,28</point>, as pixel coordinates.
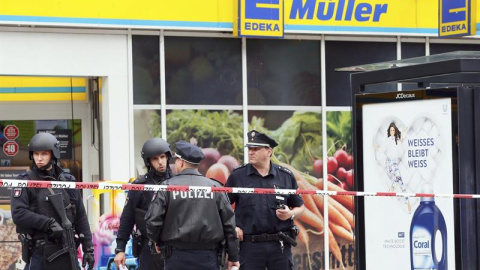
<point>140,200</point>
<point>28,209</point>
<point>256,215</point>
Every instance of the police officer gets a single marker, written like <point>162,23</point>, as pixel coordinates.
<point>189,226</point>
<point>264,221</point>
<point>155,153</point>
<point>37,223</point>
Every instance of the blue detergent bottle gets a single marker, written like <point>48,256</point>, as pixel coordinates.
<point>428,235</point>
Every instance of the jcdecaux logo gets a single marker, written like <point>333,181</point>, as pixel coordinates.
<point>456,18</point>
<point>260,18</point>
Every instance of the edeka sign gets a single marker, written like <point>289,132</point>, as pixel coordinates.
<point>456,18</point>
<point>259,18</point>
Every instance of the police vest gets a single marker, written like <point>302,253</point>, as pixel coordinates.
<point>45,207</point>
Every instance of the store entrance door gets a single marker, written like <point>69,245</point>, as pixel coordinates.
<point>60,106</point>
<point>44,105</point>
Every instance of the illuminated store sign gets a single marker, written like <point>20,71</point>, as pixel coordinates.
<point>259,18</point>
<point>456,18</point>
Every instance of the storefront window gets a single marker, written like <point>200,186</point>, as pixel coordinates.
<point>410,50</point>
<point>146,70</point>
<point>436,48</point>
<point>346,53</point>
<point>147,125</point>
<point>203,71</point>
<point>283,72</point>
<point>218,133</point>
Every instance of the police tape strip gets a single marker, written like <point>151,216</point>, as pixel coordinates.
<point>14,183</point>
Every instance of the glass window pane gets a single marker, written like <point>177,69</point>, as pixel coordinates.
<point>146,70</point>
<point>203,70</point>
<point>298,134</point>
<point>283,72</point>
<point>218,133</point>
<point>146,125</point>
<point>410,50</point>
<point>346,53</point>
<point>436,48</point>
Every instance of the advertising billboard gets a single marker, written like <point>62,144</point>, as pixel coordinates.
<point>407,147</point>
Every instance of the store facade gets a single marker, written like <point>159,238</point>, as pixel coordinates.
<point>174,69</point>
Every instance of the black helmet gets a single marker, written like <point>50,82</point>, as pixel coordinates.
<point>154,147</point>
<point>42,142</point>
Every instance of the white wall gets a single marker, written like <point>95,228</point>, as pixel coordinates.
<point>66,54</point>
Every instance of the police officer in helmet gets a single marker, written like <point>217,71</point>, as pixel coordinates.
<point>155,153</point>
<point>38,224</point>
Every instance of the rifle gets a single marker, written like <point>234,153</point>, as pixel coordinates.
<point>68,241</point>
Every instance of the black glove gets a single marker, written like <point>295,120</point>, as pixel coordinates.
<point>53,229</point>
<point>88,258</point>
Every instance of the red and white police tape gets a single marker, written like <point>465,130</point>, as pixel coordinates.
<point>14,183</point>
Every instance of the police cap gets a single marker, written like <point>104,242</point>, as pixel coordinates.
<point>258,139</point>
<point>189,152</point>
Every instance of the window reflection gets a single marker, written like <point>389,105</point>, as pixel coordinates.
<point>203,71</point>
<point>146,70</point>
<point>283,72</point>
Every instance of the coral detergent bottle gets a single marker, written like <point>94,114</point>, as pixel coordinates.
<point>428,235</point>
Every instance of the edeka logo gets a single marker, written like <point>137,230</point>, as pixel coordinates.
<point>259,18</point>
<point>456,18</point>
<point>338,10</point>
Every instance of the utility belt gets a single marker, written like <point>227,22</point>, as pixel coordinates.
<point>287,236</point>
<point>49,250</point>
<point>166,249</point>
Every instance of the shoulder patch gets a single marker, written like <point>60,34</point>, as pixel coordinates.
<point>285,169</point>
<point>140,180</point>
<point>17,192</point>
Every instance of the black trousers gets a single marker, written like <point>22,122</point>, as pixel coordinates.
<point>36,261</point>
<point>187,259</point>
<point>146,260</point>
<point>265,255</point>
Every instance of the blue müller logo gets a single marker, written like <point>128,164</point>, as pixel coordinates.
<point>339,10</point>
<point>456,18</point>
<point>260,18</point>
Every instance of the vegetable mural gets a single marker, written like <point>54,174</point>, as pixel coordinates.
<point>220,135</point>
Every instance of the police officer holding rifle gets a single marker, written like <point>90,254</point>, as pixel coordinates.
<point>189,227</point>
<point>48,219</point>
<point>155,154</point>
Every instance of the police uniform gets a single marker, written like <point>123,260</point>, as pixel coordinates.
<point>192,224</point>
<point>138,200</point>
<point>31,214</point>
<point>136,206</point>
<point>255,214</point>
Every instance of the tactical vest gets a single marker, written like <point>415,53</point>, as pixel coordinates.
<point>44,206</point>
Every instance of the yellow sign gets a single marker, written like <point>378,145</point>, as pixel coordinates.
<point>391,17</point>
<point>25,88</point>
<point>259,18</point>
<point>457,18</point>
